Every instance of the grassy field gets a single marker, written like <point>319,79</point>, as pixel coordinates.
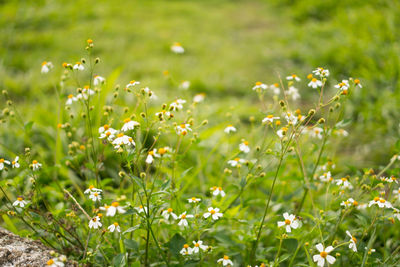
<point>229,45</point>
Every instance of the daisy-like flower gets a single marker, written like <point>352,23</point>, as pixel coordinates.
<point>217,191</point>
<point>54,262</point>
<point>323,255</point>
<point>151,155</point>
<point>46,66</point>
<point>259,86</point>
<point>236,161</point>
<point>20,202</point>
<point>129,125</point>
<point>293,77</point>
<point>15,163</point>
<point>3,162</point>
<point>291,118</point>
<point>184,85</point>
<point>321,72</point>
<point>382,203</point>
<point>315,83</point>
<point>230,129</point>
<point>396,213</point>
<point>214,213</point>
<point>71,99</point>
<point>357,83</point>
<point>92,189</point>
<point>177,105</point>
<point>78,66</point>
<point>341,132</point>
<point>149,93</point>
<point>244,147</point>
<point>114,208</point>
<point>353,242</point>
<point>289,222</point>
<point>397,193</point>
<point>122,140</point>
<point>275,88</point>
<point>348,203</point>
<point>177,48</point>
<point>270,119</point>
<point>86,92</point>
<point>169,213</point>
<point>110,134</point>
<point>326,177</point>
<point>141,209</point>
<point>225,261</point>
<point>316,132</point>
<point>343,86</point>
<point>344,183</point>
<point>36,165</point>
<point>199,245</point>
<point>132,84</point>
<point>95,196</point>
<point>186,250</point>
<point>183,219</point>
<point>113,227</point>
<point>164,115</point>
<point>390,179</point>
<point>183,129</point>
<point>282,132</point>
<point>95,223</point>
<point>293,92</point>
<point>199,98</point>
<point>98,80</point>
<point>194,200</point>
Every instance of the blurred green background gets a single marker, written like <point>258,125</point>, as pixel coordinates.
<point>229,45</point>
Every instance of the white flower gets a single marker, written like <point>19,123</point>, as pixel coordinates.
<point>78,66</point>
<point>199,245</point>
<point>344,85</point>
<point>114,208</point>
<point>270,119</point>
<point>326,177</point>
<point>186,250</point>
<point>291,118</point>
<point>132,84</point>
<point>149,93</point>
<point>71,99</point>
<point>282,132</point>
<point>316,132</point>
<point>275,88</point>
<point>199,98</point>
<point>353,241</point>
<point>194,200</point>
<point>289,222</point>
<point>315,83</point>
<point>129,125</point>
<point>341,132</point>
<point>293,77</point>
<point>380,202</point>
<point>259,86</point>
<point>357,83</point>
<point>20,202</point>
<point>54,262</point>
<point>168,213</point>
<point>141,209</point>
<point>184,85</point>
<point>182,219</point>
<point>214,213</point>
<point>46,66</point>
<point>36,165</point>
<point>217,191</point>
<point>177,105</point>
<point>244,147</point>
<point>110,134</point>
<point>151,155</point>
<point>321,72</point>
<point>230,129</point>
<point>15,163</point>
<point>92,189</point>
<point>98,80</point>
<point>122,140</point>
<point>235,161</point>
<point>3,162</point>
<point>348,203</point>
<point>323,254</point>
<point>344,183</point>
<point>86,92</point>
<point>177,48</point>
<point>225,261</point>
<point>113,227</point>
<point>95,196</point>
<point>183,129</point>
<point>95,222</point>
<point>397,193</point>
<point>164,115</point>
<point>293,92</point>
<point>389,180</point>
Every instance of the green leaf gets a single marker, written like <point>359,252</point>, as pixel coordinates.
<point>131,244</point>
<point>28,126</point>
<point>131,229</point>
<point>119,260</point>
<point>176,243</point>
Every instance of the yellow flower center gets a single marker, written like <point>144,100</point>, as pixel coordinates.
<point>185,246</point>
<point>94,219</point>
<point>220,188</point>
<point>50,262</point>
<point>108,134</point>
<point>284,129</point>
<point>162,151</point>
<point>99,215</point>
<point>314,80</point>
<point>106,127</point>
<point>115,204</point>
<point>116,224</point>
<point>13,162</point>
<point>323,254</point>
<point>355,203</point>
<point>120,135</point>
<point>197,245</point>
<point>86,87</point>
<point>1,160</point>
<point>34,162</point>
<point>294,75</point>
<point>44,63</point>
<point>132,82</point>
<point>19,198</point>
<point>287,221</point>
<point>356,81</point>
<point>193,198</point>
<point>151,153</point>
<point>226,257</point>
<point>183,125</point>
<point>237,159</point>
<point>354,239</point>
<point>130,139</point>
<point>212,211</point>
<point>91,187</point>
<point>382,200</point>
<point>89,41</point>
<point>169,210</point>
<point>270,116</point>
<point>127,120</point>
<point>183,216</point>
<point>344,179</point>
<point>246,143</point>
<point>276,84</point>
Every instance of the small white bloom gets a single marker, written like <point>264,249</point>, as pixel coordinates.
<point>244,147</point>
<point>225,261</point>
<point>114,208</point>
<point>20,202</point>
<point>54,262</point>
<point>35,165</point>
<point>199,98</point>
<point>353,240</point>
<point>113,227</point>
<point>344,85</point>
<point>110,134</point>
<point>132,84</point>
<point>79,66</point>
<point>177,48</point>
<point>183,219</point>
<point>15,163</point>
<point>289,222</point>
<point>390,179</point>
<point>71,99</point>
<point>199,245</point>
<point>382,203</point>
<point>341,132</point>
<point>98,80</point>
<point>275,88</point>
<point>95,196</point>
<point>291,118</point>
<point>214,213</point>
<point>348,203</point>
<point>236,161</point>
<point>177,105</point>
<point>92,189</point>
<point>229,129</point>
<point>316,132</point>
<point>217,191</point>
<point>293,92</point>
<point>326,177</point>
<point>141,209</point>
<point>315,83</point>
<point>129,125</point>
<point>259,86</point>
<point>86,92</point>
<point>169,213</point>
<point>323,255</point>
<point>3,162</point>
<point>186,250</point>
<point>270,119</point>
<point>122,140</point>
<point>151,155</point>
<point>282,132</point>
<point>194,200</point>
<point>183,129</point>
<point>321,72</point>
<point>46,66</point>
<point>95,222</point>
<point>293,77</point>
<point>184,85</point>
